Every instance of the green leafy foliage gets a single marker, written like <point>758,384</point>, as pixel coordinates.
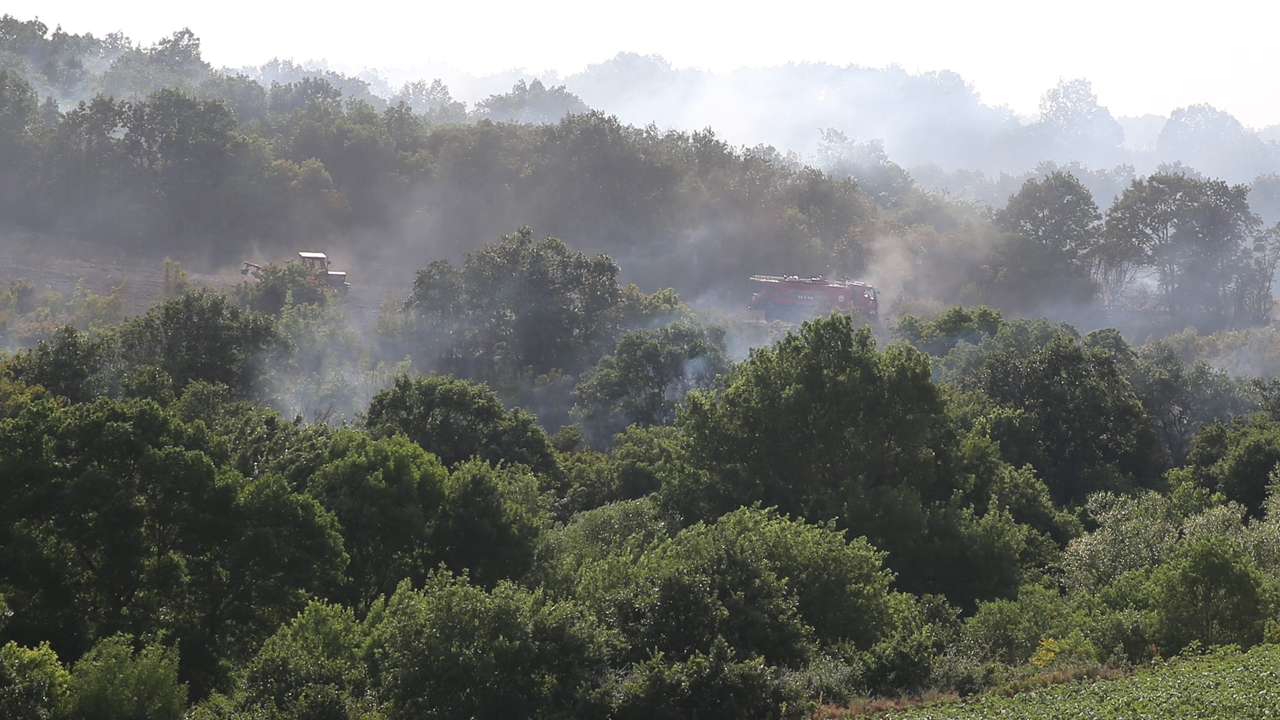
<point>940,335</point>
<point>112,681</point>
<point>71,364</point>
<point>767,585</point>
<point>1237,459</point>
<point>713,685</point>
<point>203,336</point>
<point>387,496</point>
<point>279,285</point>
<point>648,375</point>
<point>535,658</point>
<point>824,426</point>
<point>122,522</point>
<point>33,684</point>
<point>515,305</point>
<point>457,420</point>
<point>1209,592</point>
<point>1091,431</point>
<point>313,666</point>
<point>491,521</point>
<point>810,423</point>
<point>1052,226</point>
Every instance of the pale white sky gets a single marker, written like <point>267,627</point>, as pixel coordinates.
<point>1142,56</point>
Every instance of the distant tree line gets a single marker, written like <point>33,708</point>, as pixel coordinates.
<point>177,158</point>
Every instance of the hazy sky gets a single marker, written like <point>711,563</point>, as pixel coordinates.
<point>1142,57</point>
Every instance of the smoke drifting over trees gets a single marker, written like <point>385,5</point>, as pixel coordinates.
<point>539,445</point>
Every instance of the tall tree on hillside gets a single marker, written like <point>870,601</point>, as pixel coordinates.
<point>1216,143</point>
<point>531,103</point>
<point>188,149</point>
<point>1052,229</point>
<point>518,305</point>
<point>17,113</point>
<point>1076,124</point>
<point>1057,212</point>
<point>172,62</point>
<point>1192,233</point>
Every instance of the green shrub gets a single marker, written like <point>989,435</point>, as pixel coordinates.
<point>712,686</point>
<point>452,651</point>
<point>33,684</point>
<point>112,682</point>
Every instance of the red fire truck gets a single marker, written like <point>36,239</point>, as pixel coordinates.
<point>791,297</point>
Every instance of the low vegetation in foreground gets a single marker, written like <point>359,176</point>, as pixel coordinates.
<point>1229,685</point>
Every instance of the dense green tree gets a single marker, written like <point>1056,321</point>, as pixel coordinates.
<point>534,657</point>
<point>17,113</point>
<point>941,334</point>
<point>202,335</point>
<point>531,103</point>
<point>1045,257</point>
<point>33,684</point>
<point>387,497</point>
<point>1192,232</point>
<point>122,523</point>
<point>241,93</point>
<point>717,685</point>
<point>174,61</point>
<point>1254,299</point>
<point>89,174</point>
<point>1210,592</point>
<point>634,468</point>
<point>70,364</point>
<point>113,682</point>
<point>621,529</point>
<point>812,423</point>
<point>1181,399</point>
<point>648,375</point>
<point>1057,212</point>
<point>766,585</point>
<point>58,62</point>
<point>195,166</point>
<point>1131,533</point>
<point>457,420</point>
<point>288,97</point>
<point>147,382</point>
<point>432,100</point>
<point>525,304</point>
<point>313,666</point>
<point>1091,428</point>
<point>824,426</point>
<point>17,116</point>
<point>1010,631</point>
<point>490,523</point>
<point>1237,459</point>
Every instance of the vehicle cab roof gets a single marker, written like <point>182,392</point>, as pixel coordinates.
<point>313,256</point>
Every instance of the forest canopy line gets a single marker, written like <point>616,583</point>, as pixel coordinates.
<point>563,473</point>
<point>153,150</point>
